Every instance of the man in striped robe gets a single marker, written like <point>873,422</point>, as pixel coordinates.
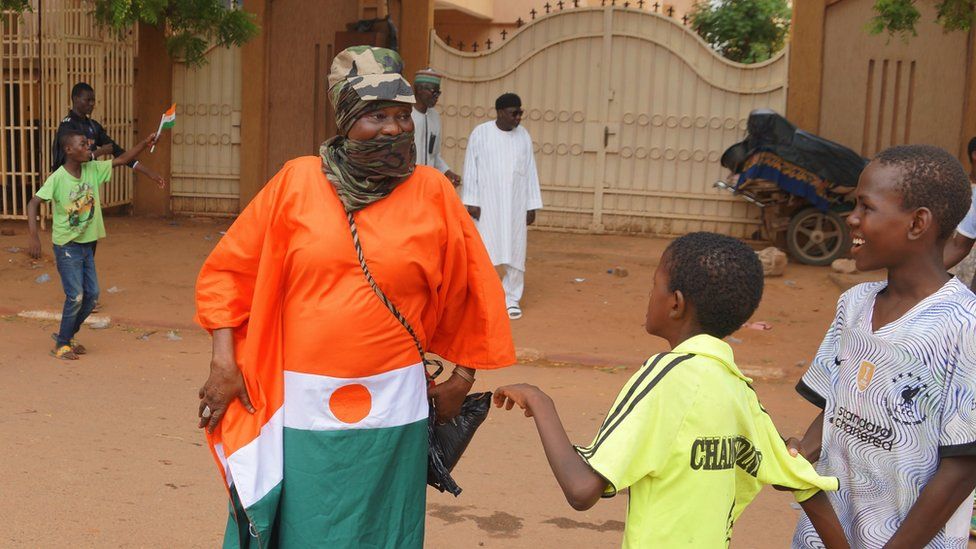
<point>501,192</point>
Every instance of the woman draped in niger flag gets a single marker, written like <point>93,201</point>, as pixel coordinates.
<point>316,405</point>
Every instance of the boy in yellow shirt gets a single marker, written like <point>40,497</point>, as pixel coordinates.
<point>686,434</point>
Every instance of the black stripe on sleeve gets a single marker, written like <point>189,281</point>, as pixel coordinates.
<point>630,392</point>
<point>589,452</point>
<point>612,488</point>
<point>958,450</point>
<point>811,395</point>
<point>648,369</point>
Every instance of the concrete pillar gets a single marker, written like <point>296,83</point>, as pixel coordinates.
<point>416,19</point>
<point>806,64</point>
<point>254,104</point>
<point>153,95</point>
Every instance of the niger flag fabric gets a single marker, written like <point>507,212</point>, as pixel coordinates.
<point>336,453</point>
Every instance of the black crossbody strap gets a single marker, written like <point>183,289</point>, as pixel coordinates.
<point>379,293</point>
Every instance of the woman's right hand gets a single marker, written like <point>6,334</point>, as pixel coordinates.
<point>224,384</point>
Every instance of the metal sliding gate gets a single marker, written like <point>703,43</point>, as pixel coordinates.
<point>43,53</point>
<point>629,112</point>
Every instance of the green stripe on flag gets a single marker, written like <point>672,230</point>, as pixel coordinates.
<point>238,534</point>
<point>342,489</point>
<point>355,488</point>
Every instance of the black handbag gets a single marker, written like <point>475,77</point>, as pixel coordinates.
<point>447,441</point>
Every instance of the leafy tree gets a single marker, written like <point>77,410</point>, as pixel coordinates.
<point>747,31</point>
<point>902,16</point>
<point>191,26</point>
<point>15,5</point>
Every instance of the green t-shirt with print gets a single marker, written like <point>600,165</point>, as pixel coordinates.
<point>75,202</point>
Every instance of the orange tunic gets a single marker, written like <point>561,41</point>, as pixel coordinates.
<point>287,278</point>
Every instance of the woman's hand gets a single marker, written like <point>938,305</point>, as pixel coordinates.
<point>454,178</point>
<point>449,396</point>
<point>522,394</point>
<point>224,384</point>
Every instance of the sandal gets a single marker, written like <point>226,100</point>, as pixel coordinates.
<point>78,348</point>
<point>514,312</point>
<point>64,352</point>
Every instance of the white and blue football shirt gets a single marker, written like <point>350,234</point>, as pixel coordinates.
<point>967,227</point>
<point>895,401</point>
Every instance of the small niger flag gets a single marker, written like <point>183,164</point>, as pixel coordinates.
<point>167,121</point>
<point>169,118</point>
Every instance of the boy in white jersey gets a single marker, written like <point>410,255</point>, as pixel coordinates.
<point>896,373</point>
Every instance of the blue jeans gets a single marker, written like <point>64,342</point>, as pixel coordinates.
<point>76,265</point>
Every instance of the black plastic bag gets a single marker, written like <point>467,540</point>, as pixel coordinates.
<point>449,440</point>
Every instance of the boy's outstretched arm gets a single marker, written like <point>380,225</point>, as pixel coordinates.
<point>146,171</point>
<point>581,485</point>
<point>952,483</point>
<point>128,156</point>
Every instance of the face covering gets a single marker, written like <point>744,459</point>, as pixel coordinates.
<point>364,172</point>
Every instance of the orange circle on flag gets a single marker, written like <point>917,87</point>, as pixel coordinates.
<point>351,403</point>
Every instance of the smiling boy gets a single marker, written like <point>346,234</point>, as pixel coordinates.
<point>896,373</point>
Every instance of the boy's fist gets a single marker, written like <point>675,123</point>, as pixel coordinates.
<point>34,247</point>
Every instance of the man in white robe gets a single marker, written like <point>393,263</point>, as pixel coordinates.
<point>501,192</point>
<point>427,123</point>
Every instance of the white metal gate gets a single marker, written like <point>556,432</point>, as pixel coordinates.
<point>629,113</point>
<point>20,146</point>
<point>207,137</point>
<point>44,53</point>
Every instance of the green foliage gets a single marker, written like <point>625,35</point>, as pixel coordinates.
<point>191,26</point>
<point>20,6</point>
<point>747,31</point>
<point>902,16</point>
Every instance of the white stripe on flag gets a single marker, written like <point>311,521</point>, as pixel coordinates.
<point>257,467</point>
<point>219,450</point>
<point>398,397</point>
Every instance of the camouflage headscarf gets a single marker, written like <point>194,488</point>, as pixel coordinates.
<point>364,79</point>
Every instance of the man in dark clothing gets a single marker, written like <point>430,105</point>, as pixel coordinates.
<point>79,119</point>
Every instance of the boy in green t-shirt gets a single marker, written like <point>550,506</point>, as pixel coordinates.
<point>687,434</point>
<point>77,226</point>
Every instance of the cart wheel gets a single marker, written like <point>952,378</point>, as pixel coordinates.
<point>817,238</point>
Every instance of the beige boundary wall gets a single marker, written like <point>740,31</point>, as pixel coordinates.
<point>629,113</point>
<point>870,92</point>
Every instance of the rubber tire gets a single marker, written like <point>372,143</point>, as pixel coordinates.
<point>794,248</point>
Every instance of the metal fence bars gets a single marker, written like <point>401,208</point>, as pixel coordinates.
<point>44,53</point>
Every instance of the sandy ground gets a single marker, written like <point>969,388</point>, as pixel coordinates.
<point>104,452</point>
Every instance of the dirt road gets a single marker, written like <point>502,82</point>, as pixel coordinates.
<point>104,452</point>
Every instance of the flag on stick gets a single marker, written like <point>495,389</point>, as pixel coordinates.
<point>167,121</point>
